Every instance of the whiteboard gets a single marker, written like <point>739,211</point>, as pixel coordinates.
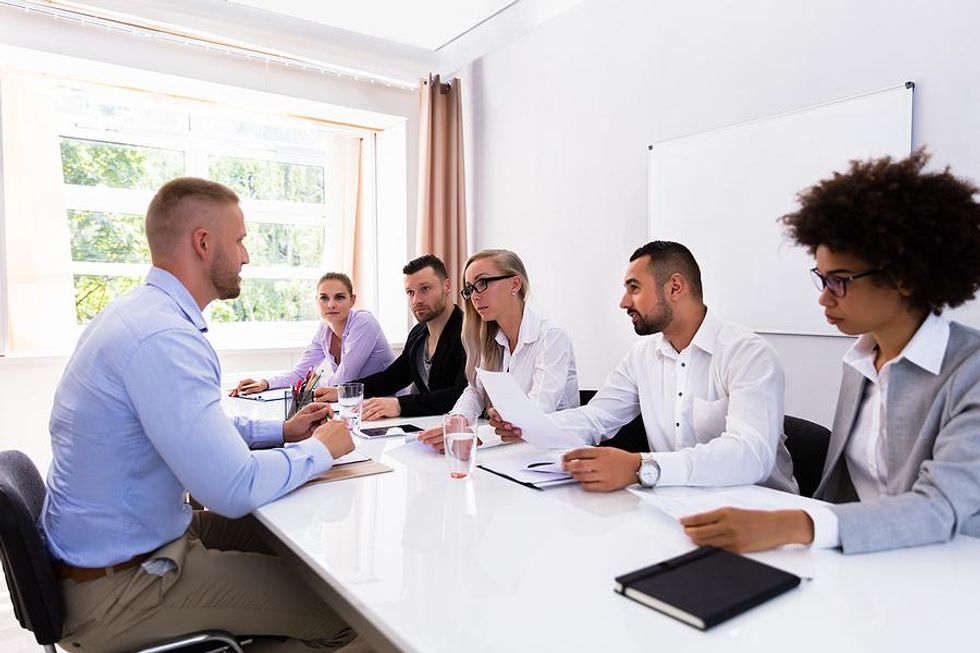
<point>720,192</point>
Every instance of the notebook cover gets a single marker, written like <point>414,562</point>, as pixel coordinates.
<point>709,584</point>
<point>350,470</point>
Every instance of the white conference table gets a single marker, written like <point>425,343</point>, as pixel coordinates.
<point>417,561</point>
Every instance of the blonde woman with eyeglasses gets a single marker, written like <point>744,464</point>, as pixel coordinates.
<point>502,333</point>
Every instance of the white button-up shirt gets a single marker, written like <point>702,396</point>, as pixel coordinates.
<point>713,413</point>
<point>543,363</point>
<point>864,453</point>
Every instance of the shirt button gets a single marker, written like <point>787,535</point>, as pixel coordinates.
<point>683,364</point>
<point>677,424</point>
<point>680,394</point>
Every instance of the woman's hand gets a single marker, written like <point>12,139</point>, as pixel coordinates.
<point>249,387</point>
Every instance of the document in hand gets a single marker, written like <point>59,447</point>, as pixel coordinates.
<point>518,409</point>
<point>706,586</point>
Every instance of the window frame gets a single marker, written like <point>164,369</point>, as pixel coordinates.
<point>198,151</point>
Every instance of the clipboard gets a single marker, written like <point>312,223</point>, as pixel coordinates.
<point>541,485</point>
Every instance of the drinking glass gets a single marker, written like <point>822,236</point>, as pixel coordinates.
<point>351,396</point>
<point>460,435</point>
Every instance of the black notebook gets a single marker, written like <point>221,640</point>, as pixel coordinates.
<point>706,586</point>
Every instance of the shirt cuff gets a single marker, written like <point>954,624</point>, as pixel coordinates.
<point>266,433</point>
<point>316,451</point>
<point>675,467</point>
<point>826,530</point>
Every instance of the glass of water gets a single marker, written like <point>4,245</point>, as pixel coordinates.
<point>460,434</point>
<point>351,396</point>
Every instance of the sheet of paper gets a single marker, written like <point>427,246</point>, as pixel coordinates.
<point>683,501</point>
<point>518,409</point>
<point>354,456</point>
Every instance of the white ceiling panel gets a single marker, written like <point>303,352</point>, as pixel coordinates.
<point>427,24</point>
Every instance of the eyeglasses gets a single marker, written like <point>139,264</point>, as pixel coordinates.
<point>837,285</point>
<point>480,285</point>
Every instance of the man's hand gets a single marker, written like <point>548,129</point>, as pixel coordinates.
<point>601,469</point>
<point>326,393</point>
<point>249,387</point>
<point>379,407</point>
<point>335,437</point>
<point>749,530</point>
<point>434,437</point>
<point>507,431</point>
<point>301,425</point>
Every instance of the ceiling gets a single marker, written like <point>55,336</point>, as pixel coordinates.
<point>427,24</point>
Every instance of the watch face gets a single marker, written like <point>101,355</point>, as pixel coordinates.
<point>649,474</point>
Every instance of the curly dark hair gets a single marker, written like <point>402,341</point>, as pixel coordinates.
<point>921,229</point>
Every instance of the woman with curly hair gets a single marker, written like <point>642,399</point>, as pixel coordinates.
<point>894,245</point>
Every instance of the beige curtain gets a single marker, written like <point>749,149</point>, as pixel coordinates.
<point>40,290</point>
<point>442,198</point>
<point>346,199</point>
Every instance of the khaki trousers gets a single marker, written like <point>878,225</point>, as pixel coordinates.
<point>225,578</point>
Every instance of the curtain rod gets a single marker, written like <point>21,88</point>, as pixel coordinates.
<point>144,28</point>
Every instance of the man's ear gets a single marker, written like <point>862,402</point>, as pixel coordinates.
<point>203,242</point>
<point>676,285</point>
<point>446,287</point>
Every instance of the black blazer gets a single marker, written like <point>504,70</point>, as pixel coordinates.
<point>447,376</point>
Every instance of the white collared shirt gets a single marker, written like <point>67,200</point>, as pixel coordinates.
<point>864,453</point>
<point>713,413</point>
<point>543,362</point>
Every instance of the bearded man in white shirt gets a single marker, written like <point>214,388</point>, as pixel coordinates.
<point>710,392</point>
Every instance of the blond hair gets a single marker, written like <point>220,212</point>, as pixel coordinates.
<point>479,337</point>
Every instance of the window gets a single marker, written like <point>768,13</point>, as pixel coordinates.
<point>306,190</point>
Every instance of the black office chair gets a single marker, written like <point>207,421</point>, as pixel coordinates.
<point>631,437</point>
<point>29,572</point>
<point>807,443</point>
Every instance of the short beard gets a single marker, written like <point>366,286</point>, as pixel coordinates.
<point>647,325</point>
<point>224,277</point>
<point>434,313</point>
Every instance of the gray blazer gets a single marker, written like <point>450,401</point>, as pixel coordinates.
<point>933,454</point>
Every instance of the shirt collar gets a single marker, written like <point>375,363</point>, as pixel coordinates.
<point>171,285</point>
<point>927,348</point>
<point>704,338</point>
<point>707,334</point>
<point>529,331</point>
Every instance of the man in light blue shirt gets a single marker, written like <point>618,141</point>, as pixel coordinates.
<point>137,420</point>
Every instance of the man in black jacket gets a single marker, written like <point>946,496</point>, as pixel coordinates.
<point>433,358</point>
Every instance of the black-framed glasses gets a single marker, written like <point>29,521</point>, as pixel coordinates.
<point>837,285</point>
<point>481,284</point>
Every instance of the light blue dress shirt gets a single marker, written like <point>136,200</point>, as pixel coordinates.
<point>137,420</point>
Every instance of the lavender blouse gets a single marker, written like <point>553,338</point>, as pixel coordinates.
<point>364,351</point>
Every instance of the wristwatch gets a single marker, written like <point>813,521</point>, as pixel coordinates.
<point>649,472</point>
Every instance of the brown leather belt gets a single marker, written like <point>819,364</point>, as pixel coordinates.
<point>84,574</point>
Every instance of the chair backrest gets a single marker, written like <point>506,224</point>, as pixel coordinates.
<point>807,443</point>
<point>631,437</point>
<point>26,564</point>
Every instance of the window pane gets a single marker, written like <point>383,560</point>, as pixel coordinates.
<point>107,237</point>
<point>269,300</point>
<point>97,108</point>
<point>99,163</point>
<point>268,180</point>
<point>285,244</point>
<point>93,293</point>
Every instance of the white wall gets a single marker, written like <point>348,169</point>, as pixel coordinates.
<point>560,120</point>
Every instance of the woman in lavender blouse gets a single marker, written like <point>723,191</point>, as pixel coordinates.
<point>348,345</point>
